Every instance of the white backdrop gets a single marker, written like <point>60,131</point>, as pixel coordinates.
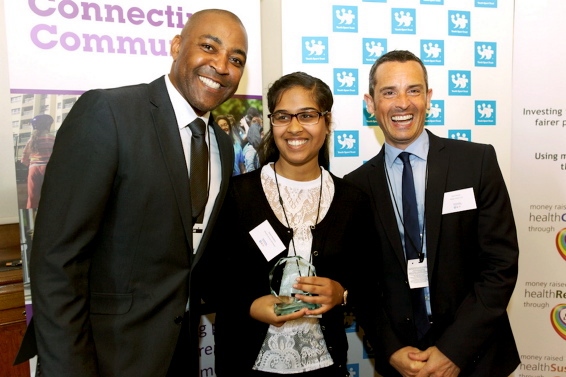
<point>471,40</point>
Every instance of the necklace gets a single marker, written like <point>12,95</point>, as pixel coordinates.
<point>285,213</point>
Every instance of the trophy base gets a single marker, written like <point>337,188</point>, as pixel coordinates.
<point>292,307</point>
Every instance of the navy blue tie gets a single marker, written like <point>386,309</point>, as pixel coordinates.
<point>413,240</point>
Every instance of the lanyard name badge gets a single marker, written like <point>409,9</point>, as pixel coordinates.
<point>417,272</point>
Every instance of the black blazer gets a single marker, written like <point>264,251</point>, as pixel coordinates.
<point>342,248</point>
<point>472,262</point>
<point>112,265</point>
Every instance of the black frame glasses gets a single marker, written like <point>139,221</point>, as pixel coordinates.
<point>305,118</point>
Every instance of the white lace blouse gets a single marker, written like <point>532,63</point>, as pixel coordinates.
<point>299,345</point>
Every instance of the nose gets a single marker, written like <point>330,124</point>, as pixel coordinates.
<point>294,126</point>
<point>220,63</point>
<point>402,101</point>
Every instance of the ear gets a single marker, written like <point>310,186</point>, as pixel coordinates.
<point>175,46</point>
<point>369,103</point>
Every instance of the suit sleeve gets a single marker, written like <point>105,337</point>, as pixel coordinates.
<point>481,312</point>
<point>77,186</point>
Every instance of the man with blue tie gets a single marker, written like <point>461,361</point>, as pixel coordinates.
<point>449,251</point>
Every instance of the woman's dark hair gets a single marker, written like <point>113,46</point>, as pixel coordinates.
<point>321,94</point>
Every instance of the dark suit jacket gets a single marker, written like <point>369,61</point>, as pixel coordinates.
<point>112,265</point>
<point>472,263</point>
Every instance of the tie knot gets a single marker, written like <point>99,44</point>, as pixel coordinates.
<point>197,126</point>
<point>404,156</point>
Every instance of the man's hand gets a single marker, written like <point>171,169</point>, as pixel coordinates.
<point>437,364</point>
<point>405,365</point>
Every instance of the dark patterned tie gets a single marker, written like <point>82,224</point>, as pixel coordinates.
<point>413,240</point>
<point>199,168</point>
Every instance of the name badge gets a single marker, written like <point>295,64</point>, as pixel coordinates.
<point>418,273</point>
<point>198,229</point>
<point>267,240</point>
<point>458,201</point>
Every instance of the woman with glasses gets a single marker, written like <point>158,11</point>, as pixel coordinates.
<point>291,216</point>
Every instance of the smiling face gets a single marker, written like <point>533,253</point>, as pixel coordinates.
<point>208,59</point>
<point>400,101</point>
<point>299,145</point>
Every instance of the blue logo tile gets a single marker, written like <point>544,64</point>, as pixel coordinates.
<point>403,21</point>
<point>346,143</point>
<point>435,114</point>
<point>459,23</point>
<point>346,81</point>
<point>459,83</point>
<point>432,51</point>
<point>345,18</point>
<point>486,113</point>
<point>485,54</point>
<point>372,49</point>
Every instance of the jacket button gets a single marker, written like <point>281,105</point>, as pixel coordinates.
<point>322,328</point>
<point>178,320</point>
<point>315,253</point>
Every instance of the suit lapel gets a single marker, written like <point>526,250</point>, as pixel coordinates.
<point>167,131</point>
<point>384,205</point>
<point>437,163</point>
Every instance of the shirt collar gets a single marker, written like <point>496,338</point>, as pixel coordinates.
<point>419,148</point>
<point>183,111</point>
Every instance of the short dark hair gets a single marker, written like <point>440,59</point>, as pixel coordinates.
<point>321,94</point>
<point>401,56</point>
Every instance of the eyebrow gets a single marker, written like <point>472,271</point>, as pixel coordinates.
<point>219,41</point>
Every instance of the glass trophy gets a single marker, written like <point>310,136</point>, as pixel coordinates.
<point>282,277</point>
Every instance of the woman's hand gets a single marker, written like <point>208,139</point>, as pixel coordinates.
<point>262,309</point>
<point>326,292</point>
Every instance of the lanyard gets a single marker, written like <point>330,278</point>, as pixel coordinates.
<point>421,253</point>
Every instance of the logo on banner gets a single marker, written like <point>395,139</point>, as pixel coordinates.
<point>346,81</point>
<point>486,54</point>
<point>459,83</point>
<point>459,23</point>
<point>315,50</point>
<point>346,143</point>
<point>486,3</point>
<point>432,51</point>
<point>485,113</point>
<point>372,49</point>
<point>369,118</point>
<point>435,114</point>
<point>403,21</point>
<point>464,135</point>
<point>432,2</point>
<point>345,18</point>
<point>558,319</point>
<point>561,243</point>
<point>353,369</point>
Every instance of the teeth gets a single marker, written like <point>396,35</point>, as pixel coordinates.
<point>296,143</point>
<point>401,118</point>
<point>208,82</point>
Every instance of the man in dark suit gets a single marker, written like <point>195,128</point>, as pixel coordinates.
<point>467,251</point>
<point>114,273</point>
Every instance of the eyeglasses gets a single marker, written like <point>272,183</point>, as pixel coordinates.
<point>306,118</point>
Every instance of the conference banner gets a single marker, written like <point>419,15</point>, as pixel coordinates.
<point>59,49</point>
<point>538,182</point>
<point>466,47</point>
